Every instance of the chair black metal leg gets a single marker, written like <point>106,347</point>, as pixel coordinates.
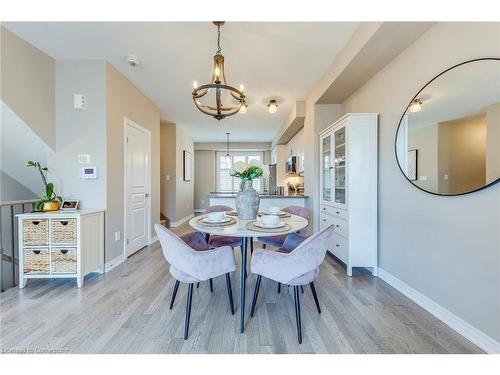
<point>255,294</point>
<point>211,286</point>
<point>174,293</point>
<point>279,288</point>
<point>313,290</point>
<point>197,285</point>
<point>188,310</point>
<point>243,283</point>
<point>302,289</point>
<point>263,245</point>
<point>230,293</point>
<point>251,246</point>
<point>297,313</point>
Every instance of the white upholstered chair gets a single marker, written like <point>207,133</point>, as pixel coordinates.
<point>189,266</point>
<point>296,268</point>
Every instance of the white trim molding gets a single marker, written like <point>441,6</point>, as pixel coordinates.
<point>114,262</point>
<point>199,210</point>
<point>153,239</point>
<point>479,338</point>
<point>181,221</point>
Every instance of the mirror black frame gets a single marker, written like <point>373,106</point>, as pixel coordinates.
<point>406,110</point>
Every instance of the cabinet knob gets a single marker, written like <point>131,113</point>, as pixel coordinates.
<point>64,222</point>
<point>35,222</point>
<point>324,219</point>
<point>64,251</point>
<point>337,225</point>
<point>338,212</point>
<point>337,245</point>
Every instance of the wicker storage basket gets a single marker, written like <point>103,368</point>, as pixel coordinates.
<point>63,231</point>
<point>63,260</point>
<point>36,232</point>
<point>36,261</point>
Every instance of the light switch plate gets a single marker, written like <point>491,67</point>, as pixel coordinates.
<point>79,101</point>
<point>83,158</point>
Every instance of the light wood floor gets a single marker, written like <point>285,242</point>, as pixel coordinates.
<point>126,311</point>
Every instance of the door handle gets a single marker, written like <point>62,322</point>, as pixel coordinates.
<point>146,195</point>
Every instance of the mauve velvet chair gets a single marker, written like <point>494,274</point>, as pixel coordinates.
<point>190,266</point>
<point>218,241</point>
<point>278,241</point>
<point>291,240</point>
<point>297,268</point>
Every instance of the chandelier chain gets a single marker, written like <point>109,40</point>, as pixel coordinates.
<point>218,40</point>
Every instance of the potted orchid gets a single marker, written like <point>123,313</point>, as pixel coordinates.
<point>247,199</point>
<point>49,200</point>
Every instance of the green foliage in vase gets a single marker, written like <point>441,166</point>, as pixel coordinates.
<point>48,195</point>
<point>250,171</point>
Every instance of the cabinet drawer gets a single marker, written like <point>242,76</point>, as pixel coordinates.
<point>36,232</point>
<point>36,261</point>
<point>63,260</point>
<point>337,212</point>
<point>63,231</point>
<point>338,247</point>
<point>339,226</point>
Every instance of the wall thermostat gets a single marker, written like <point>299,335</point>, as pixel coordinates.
<point>88,172</point>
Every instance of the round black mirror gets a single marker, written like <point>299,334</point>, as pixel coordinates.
<point>448,138</point>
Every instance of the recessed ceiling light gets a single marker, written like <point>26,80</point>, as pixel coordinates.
<point>415,106</point>
<point>272,106</point>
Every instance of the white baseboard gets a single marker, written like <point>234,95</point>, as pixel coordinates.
<point>113,263</point>
<point>181,221</point>
<point>485,342</point>
<point>153,239</point>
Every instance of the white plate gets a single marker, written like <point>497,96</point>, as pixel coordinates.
<point>225,220</point>
<point>260,224</point>
<point>281,213</point>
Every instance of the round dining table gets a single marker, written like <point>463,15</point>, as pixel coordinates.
<point>239,229</point>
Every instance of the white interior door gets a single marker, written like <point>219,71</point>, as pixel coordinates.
<point>137,183</point>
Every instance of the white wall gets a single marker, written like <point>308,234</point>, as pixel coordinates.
<point>80,131</point>
<point>447,248</point>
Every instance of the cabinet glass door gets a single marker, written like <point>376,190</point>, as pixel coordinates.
<point>339,165</point>
<point>327,168</point>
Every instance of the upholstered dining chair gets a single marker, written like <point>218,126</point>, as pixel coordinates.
<point>218,241</point>
<point>296,268</point>
<point>293,239</point>
<point>189,265</point>
<point>277,241</point>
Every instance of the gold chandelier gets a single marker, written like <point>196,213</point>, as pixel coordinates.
<point>235,98</point>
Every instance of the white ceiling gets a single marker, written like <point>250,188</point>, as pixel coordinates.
<point>280,60</point>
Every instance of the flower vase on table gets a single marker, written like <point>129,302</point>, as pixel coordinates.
<point>247,198</point>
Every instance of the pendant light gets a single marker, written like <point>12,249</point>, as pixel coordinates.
<point>227,158</point>
<point>235,98</point>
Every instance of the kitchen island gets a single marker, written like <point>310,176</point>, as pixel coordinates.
<point>266,200</point>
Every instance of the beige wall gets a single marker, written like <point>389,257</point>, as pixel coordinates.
<point>492,143</point>
<point>462,155</point>
<point>167,169</point>
<point>423,239</point>
<point>125,100</point>
<point>28,85</point>
<point>185,189</point>
<point>425,141</point>
<point>204,177</point>
<point>177,195</point>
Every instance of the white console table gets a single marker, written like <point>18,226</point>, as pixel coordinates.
<point>60,244</point>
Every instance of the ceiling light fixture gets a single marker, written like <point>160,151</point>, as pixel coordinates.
<point>227,158</point>
<point>415,106</point>
<point>218,82</point>
<point>243,108</point>
<point>272,106</point>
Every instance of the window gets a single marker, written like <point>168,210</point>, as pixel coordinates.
<point>225,182</point>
